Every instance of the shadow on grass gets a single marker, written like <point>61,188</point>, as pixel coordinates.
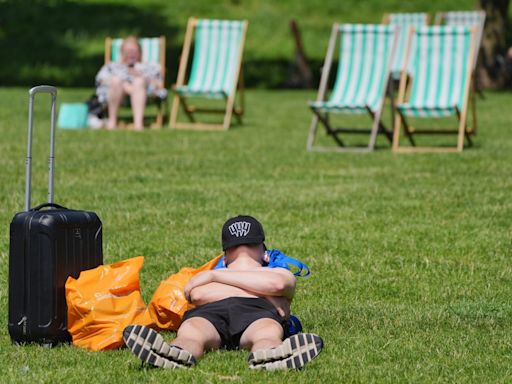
<point>61,42</point>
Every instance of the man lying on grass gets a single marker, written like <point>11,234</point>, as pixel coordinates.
<point>242,306</point>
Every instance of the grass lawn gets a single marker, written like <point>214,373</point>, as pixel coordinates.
<point>410,254</point>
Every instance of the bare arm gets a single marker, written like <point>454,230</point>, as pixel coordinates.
<point>208,293</point>
<point>262,282</point>
<point>265,281</point>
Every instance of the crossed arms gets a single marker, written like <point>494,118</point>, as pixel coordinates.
<point>276,285</point>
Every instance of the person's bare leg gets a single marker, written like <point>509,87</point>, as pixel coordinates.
<point>268,351</point>
<point>196,335</point>
<point>262,334</point>
<point>138,101</point>
<point>114,100</point>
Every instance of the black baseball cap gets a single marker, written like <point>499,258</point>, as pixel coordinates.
<point>242,230</point>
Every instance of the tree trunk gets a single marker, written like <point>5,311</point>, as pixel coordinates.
<point>300,75</point>
<point>492,68</point>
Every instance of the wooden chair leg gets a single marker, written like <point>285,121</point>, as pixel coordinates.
<point>460,139</point>
<point>241,92</point>
<point>378,127</point>
<point>159,115</point>
<point>229,111</point>
<point>396,131</point>
<point>174,111</point>
<point>312,133</point>
<point>373,134</point>
<point>473,113</point>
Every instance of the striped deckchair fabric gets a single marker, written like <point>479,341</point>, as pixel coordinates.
<point>403,21</point>
<point>362,69</point>
<point>215,73</point>
<point>365,53</point>
<point>151,49</point>
<point>439,72</point>
<point>441,78</point>
<point>217,47</point>
<point>465,19</point>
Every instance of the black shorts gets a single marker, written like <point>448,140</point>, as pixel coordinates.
<point>233,315</point>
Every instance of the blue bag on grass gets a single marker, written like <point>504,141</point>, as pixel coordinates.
<point>73,116</point>
<point>274,258</point>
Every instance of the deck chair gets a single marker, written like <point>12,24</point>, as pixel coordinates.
<point>467,19</point>
<point>364,66</point>
<point>153,51</point>
<point>403,21</point>
<point>440,84</point>
<point>216,72</point>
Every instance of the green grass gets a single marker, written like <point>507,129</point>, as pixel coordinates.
<point>69,47</point>
<point>410,254</point>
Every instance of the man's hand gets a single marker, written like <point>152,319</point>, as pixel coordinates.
<point>282,305</point>
<point>202,278</point>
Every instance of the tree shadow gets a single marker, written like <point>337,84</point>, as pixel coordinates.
<point>62,43</point>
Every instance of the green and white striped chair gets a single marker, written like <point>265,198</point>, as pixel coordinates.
<point>215,71</point>
<point>403,21</point>
<point>465,19</point>
<point>153,51</point>
<point>364,64</point>
<point>440,83</point>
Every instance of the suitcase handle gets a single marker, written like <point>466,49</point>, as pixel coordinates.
<point>51,161</point>
<point>44,205</point>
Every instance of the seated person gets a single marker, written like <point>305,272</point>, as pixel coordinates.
<point>129,77</point>
<point>242,306</point>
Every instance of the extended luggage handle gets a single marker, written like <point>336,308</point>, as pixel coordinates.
<point>51,160</point>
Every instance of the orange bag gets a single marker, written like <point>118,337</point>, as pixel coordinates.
<point>168,304</point>
<point>102,302</point>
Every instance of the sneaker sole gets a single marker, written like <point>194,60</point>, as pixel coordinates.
<point>149,346</point>
<point>295,352</point>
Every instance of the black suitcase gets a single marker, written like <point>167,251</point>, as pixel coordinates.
<point>48,243</point>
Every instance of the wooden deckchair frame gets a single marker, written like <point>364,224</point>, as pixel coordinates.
<point>400,120</point>
<point>230,108</point>
<point>386,20</point>
<point>323,117</point>
<point>160,104</point>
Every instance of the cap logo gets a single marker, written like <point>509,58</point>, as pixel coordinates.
<point>239,228</point>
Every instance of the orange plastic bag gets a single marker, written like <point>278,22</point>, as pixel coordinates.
<point>168,304</point>
<point>102,302</point>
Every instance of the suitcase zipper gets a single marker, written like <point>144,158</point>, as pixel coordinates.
<point>23,323</point>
